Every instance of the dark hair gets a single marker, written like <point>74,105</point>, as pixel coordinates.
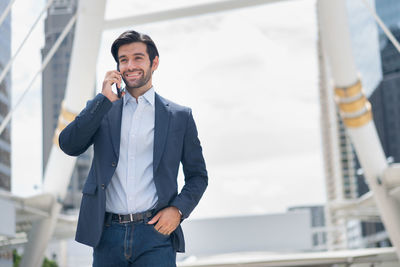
<point>132,37</point>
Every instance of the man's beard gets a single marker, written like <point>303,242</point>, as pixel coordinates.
<point>138,82</point>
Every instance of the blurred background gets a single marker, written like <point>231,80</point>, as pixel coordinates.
<point>253,77</point>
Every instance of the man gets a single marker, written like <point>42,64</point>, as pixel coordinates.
<point>131,210</point>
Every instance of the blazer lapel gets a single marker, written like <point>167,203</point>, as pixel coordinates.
<point>114,120</point>
<point>160,129</point>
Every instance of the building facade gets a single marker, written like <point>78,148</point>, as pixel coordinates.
<point>54,76</point>
<point>5,100</point>
<point>54,80</point>
<point>7,227</point>
<point>318,226</point>
<point>388,11</point>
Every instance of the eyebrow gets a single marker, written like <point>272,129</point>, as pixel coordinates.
<point>136,54</point>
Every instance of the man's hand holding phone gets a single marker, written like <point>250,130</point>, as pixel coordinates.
<point>112,77</point>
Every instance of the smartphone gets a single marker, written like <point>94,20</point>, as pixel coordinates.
<point>122,88</point>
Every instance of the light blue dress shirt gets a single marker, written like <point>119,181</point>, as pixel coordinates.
<point>132,187</point>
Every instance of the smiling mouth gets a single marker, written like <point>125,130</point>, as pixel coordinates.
<point>135,74</point>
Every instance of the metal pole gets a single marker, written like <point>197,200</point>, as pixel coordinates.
<point>81,79</point>
<point>10,62</point>
<point>6,11</point>
<point>46,61</point>
<point>185,12</point>
<point>356,111</point>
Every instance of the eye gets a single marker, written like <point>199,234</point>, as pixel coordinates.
<point>122,60</point>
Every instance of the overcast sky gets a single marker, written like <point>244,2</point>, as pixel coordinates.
<point>251,79</point>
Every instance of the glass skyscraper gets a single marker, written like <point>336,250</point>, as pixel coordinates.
<point>54,82</point>
<point>5,100</point>
<point>388,11</point>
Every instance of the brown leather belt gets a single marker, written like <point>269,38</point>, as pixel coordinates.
<point>128,218</point>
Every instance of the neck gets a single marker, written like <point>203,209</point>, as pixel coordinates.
<point>136,92</point>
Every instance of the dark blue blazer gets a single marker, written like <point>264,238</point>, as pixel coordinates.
<point>175,141</point>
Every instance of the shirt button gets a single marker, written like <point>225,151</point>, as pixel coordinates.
<point>114,164</point>
<point>103,186</point>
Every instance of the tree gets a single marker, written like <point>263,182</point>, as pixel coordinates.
<point>17,260</point>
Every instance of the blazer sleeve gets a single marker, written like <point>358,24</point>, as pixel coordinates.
<point>194,169</point>
<point>78,135</point>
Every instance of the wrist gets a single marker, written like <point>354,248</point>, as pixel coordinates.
<point>107,95</point>
<point>179,211</point>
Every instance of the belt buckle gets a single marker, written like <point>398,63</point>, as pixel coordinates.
<point>122,221</point>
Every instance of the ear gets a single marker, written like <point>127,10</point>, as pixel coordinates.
<point>155,64</point>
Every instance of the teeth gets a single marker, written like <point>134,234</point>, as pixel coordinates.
<point>133,74</point>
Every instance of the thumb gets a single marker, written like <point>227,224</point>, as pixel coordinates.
<point>155,219</point>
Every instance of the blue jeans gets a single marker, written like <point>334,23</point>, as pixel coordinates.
<point>134,245</point>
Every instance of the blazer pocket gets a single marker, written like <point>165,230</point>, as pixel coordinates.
<point>89,188</point>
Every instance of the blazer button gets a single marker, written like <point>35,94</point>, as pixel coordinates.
<point>114,164</point>
<point>103,186</point>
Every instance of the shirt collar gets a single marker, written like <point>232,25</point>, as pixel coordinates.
<point>149,96</point>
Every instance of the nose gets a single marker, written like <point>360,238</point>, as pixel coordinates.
<point>131,64</point>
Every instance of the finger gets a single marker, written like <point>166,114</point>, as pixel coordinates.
<point>163,230</point>
<point>170,229</point>
<point>115,80</point>
<point>164,233</point>
<point>113,72</point>
<point>111,75</point>
<point>117,75</point>
<point>158,227</point>
<point>155,219</point>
